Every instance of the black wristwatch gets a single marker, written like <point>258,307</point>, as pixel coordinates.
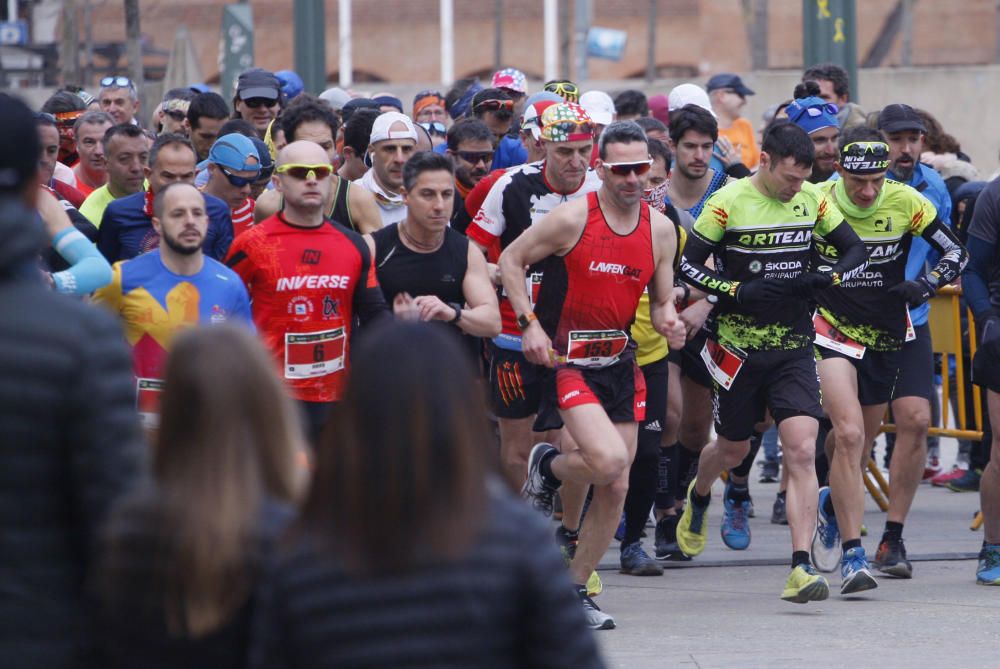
<point>524,320</point>
<point>458,311</point>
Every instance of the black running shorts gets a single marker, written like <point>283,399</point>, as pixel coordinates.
<point>692,366</point>
<point>986,366</point>
<point>620,389</point>
<point>514,384</point>
<point>877,372</point>
<point>916,367</point>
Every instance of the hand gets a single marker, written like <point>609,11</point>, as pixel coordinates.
<point>761,291</point>
<point>433,309</point>
<point>404,308</point>
<point>679,293</point>
<point>914,293</point>
<point>726,152</point>
<point>805,286</point>
<point>536,345</point>
<point>694,316</point>
<point>677,336</point>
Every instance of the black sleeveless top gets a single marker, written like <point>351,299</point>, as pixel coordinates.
<point>439,273</point>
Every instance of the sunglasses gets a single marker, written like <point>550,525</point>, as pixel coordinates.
<point>474,157</point>
<point>504,109</point>
<point>305,172</point>
<point>434,128</point>
<point>865,157</point>
<point>624,169</point>
<point>567,90</point>
<point>238,181</point>
<point>814,111</point>
<point>256,103</point>
<point>565,130</point>
<point>117,82</point>
<point>176,115</point>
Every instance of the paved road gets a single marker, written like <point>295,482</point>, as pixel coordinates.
<point>723,608</point>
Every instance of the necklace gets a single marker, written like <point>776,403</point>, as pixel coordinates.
<point>418,245</point>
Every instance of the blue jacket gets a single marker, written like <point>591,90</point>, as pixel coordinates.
<point>126,231</point>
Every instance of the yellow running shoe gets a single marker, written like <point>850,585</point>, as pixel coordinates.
<point>692,529</point>
<point>594,585</point>
<point>805,584</point>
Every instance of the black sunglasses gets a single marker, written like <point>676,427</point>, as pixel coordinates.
<point>256,103</point>
<point>238,181</point>
<point>473,157</point>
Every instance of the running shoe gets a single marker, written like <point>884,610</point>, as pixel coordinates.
<point>735,527</point>
<point>931,469</point>
<point>805,585</point>
<point>537,488</point>
<point>567,542</point>
<point>769,471</point>
<point>594,585</point>
<point>826,551</point>
<point>942,479</point>
<point>967,482</point>
<point>890,558</point>
<point>666,540</point>
<point>855,574</point>
<point>636,562</point>
<point>779,515</point>
<point>596,619</point>
<point>988,571</point>
<point>692,529</point>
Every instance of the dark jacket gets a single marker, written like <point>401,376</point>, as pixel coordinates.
<point>508,604</point>
<point>130,623</point>
<point>69,447</point>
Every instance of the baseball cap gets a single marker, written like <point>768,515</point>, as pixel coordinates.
<point>354,104</point>
<point>896,118</point>
<point>233,151</point>
<point>728,80</point>
<point>258,83</point>
<point>659,108</point>
<point>381,132</point>
<point>264,153</point>
<point>511,79</point>
<point>599,106</point>
<point>531,119</point>
<point>566,122</point>
<point>389,100</point>
<point>335,97</point>
<point>689,94</point>
<point>812,114</point>
<point>291,83</point>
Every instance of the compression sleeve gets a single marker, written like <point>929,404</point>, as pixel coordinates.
<point>697,274</point>
<point>975,278</point>
<point>88,269</point>
<point>850,249</point>
<point>953,255</point>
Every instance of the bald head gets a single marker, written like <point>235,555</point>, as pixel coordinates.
<point>304,153</point>
<point>174,192</point>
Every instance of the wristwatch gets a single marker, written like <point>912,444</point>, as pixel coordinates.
<point>524,320</point>
<point>458,311</point>
<point>712,299</point>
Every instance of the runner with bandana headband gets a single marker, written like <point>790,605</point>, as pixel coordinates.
<point>861,326</point>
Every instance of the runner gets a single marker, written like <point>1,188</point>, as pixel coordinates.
<point>118,96</point>
<point>470,146</point>
<point>169,289</point>
<point>393,140</point>
<point>861,326</point>
<point>307,277</point>
<point>126,152</point>
<point>206,115</point>
<point>600,254</point>
<point>233,165</point>
<point>819,119</point>
<point>759,231</point>
<point>258,98</point>
<point>92,169</point>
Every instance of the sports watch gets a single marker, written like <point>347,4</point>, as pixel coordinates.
<point>524,320</point>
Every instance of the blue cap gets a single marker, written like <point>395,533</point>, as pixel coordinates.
<point>389,100</point>
<point>200,88</point>
<point>728,80</point>
<point>266,162</point>
<point>812,114</point>
<point>291,83</point>
<point>233,151</point>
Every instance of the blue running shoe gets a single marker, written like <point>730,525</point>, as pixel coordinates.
<point>988,571</point>
<point>855,573</point>
<point>826,551</point>
<point>636,562</point>
<point>735,527</point>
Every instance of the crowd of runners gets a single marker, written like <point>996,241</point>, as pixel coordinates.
<point>643,291</point>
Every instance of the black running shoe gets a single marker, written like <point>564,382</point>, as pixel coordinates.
<point>890,558</point>
<point>666,540</point>
<point>537,488</point>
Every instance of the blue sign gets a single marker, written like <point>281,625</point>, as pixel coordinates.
<point>13,33</point>
<point>606,43</point>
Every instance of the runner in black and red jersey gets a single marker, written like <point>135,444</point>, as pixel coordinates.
<point>600,253</point>
<point>307,276</point>
<point>521,197</point>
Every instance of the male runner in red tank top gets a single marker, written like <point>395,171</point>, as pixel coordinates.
<point>601,251</point>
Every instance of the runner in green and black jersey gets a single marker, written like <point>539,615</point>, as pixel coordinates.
<point>760,233</point>
<point>861,326</point>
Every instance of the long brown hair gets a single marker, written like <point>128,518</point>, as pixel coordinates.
<point>228,439</point>
<point>401,468</point>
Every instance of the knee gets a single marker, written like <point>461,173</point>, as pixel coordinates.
<point>799,456</point>
<point>733,454</point>
<point>512,457</point>
<point>609,465</point>
<point>849,438</point>
<point>913,419</point>
<point>614,491</point>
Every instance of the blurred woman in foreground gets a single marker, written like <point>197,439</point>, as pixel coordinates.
<point>410,552</point>
<point>181,556</point>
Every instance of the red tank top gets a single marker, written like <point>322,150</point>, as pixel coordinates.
<point>589,297</point>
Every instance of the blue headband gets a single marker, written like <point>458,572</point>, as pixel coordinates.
<point>461,108</point>
<point>812,114</point>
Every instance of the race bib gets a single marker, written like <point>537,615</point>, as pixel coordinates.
<point>312,354</point>
<point>147,401</point>
<point>595,348</point>
<point>830,337</point>
<point>722,363</point>
<point>911,334</point>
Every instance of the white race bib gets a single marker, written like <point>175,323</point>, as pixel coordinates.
<point>312,354</point>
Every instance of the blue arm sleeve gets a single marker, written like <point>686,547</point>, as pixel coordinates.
<point>89,270</point>
<point>975,279</point>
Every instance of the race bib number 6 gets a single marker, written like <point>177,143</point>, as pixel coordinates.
<point>312,354</point>
<point>595,348</point>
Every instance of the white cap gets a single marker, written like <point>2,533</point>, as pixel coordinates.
<point>336,97</point>
<point>599,107</point>
<point>689,94</point>
<point>380,131</point>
